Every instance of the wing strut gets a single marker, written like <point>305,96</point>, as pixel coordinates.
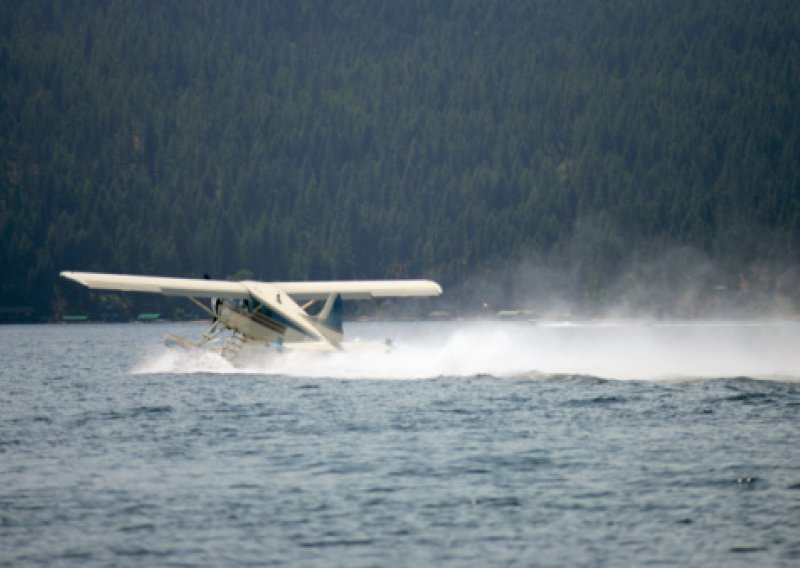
<point>203,307</point>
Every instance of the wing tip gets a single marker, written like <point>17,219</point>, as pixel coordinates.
<point>71,275</point>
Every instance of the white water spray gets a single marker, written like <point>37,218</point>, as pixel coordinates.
<point>621,350</point>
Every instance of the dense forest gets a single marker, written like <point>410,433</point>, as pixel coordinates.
<point>626,155</point>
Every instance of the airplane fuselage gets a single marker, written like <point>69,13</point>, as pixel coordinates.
<point>252,325</point>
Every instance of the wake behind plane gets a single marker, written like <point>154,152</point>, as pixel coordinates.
<point>265,315</point>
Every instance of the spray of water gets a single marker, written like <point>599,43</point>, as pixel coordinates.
<point>611,350</point>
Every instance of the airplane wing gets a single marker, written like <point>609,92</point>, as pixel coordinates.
<point>158,285</point>
<point>360,289</point>
<point>347,289</point>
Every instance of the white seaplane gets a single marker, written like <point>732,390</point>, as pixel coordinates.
<point>265,314</point>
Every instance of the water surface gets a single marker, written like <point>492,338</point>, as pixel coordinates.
<point>470,444</point>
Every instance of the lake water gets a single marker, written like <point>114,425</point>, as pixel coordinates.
<point>469,444</point>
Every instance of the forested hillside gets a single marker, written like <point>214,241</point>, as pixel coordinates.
<point>619,153</point>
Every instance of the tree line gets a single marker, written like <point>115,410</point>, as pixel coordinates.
<point>594,147</point>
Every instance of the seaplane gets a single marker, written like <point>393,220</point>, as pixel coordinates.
<point>250,315</point>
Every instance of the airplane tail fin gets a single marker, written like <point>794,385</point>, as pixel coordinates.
<point>331,313</point>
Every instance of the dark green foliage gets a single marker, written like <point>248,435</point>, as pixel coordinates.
<point>389,139</point>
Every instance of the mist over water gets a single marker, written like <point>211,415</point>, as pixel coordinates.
<point>665,283</point>
<point>604,349</point>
